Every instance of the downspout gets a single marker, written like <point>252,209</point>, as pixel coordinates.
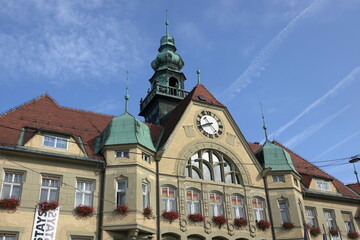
<point>157,200</point>
<point>101,199</point>
<point>264,175</point>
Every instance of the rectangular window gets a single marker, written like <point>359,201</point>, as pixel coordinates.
<point>258,208</point>
<point>278,178</point>
<point>55,142</point>
<point>330,220</point>
<point>193,201</point>
<point>12,185</point>
<point>84,193</point>
<point>122,154</point>
<point>322,185</point>
<point>284,213</point>
<point>8,236</point>
<point>49,189</point>
<point>121,192</point>
<point>145,192</point>
<point>349,226</point>
<point>237,206</point>
<point>168,196</point>
<point>145,157</point>
<point>311,217</point>
<point>216,204</point>
<point>81,238</point>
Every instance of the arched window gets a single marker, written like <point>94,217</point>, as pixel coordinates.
<point>168,195</point>
<point>237,204</point>
<point>212,165</point>
<point>216,204</point>
<point>258,208</point>
<point>193,201</point>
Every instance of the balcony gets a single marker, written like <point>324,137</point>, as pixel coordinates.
<point>163,90</point>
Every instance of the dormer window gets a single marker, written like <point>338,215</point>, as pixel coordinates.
<point>322,185</point>
<point>55,142</point>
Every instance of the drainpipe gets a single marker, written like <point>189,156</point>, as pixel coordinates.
<point>101,199</point>
<point>264,175</point>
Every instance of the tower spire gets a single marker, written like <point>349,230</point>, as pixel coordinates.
<point>167,23</point>
<point>127,97</point>
<point>264,125</point>
<point>198,75</point>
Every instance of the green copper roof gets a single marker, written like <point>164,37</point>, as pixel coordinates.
<point>275,157</point>
<point>125,129</point>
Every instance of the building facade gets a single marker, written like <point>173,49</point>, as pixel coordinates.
<point>186,172</point>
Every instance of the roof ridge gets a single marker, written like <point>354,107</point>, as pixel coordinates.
<point>27,103</point>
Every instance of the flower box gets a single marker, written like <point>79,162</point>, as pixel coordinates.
<point>122,209</point>
<point>147,212</point>
<point>334,232</point>
<point>84,211</point>
<point>170,215</point>
<point>315,231</point>
<point>288,225</point>
<point>220,220</point>
<point>240,222</point>
<point>353,235</point>
<point>196,217</point>
<point>47,205</point>
<point>263,225</point>
<point>10,204</point>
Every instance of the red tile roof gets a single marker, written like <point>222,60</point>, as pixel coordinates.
<point>355,187</point>
<point>200,92</point>
<point>44,113</point>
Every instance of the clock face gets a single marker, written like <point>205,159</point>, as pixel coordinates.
<point>209,124</point>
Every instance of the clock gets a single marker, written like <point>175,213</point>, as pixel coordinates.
<point>209,124</point>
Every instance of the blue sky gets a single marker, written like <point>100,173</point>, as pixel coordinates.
<point>299,58</point>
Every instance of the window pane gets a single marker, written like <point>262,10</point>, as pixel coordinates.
<point>6,191</point>
<point>16,191</point>
<point>78,199</point>
<point>195,174</point>
<point>207,173</point>
<point>217,172</point>
<point>53,195</point>
<point>88,199</point>
<point>43,195</point>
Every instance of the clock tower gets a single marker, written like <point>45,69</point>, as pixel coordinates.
<point>167,83</point>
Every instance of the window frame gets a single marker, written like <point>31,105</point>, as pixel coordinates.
<point>4,234</point>
<point>122,153</point>
<point>313,217</point>
<point>238,209</point>
<point>168,203</point>
<point>349,225</point>
<point>278,178</point>
<point>216,209</point>
<point>330,222</point>
<point>145,194</point>
<point>145,157</point>
<point>49,188</point>
<point>121,191</point>
<point>84,192</point>
<point>193,206</point>
<point>12,184</point>
<point>323,185</point>
<point>259,212</point>
<point>284,210</point>
<point>55,140</point>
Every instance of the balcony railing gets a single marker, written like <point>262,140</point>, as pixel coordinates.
<point>165,91</point>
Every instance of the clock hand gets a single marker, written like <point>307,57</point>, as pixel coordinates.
<point>210,124</point>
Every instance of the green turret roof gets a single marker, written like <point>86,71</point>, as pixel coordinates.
<point>275,157</point>
<point>125,129</point>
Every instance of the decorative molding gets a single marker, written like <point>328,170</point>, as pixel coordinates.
<point>189,131</point>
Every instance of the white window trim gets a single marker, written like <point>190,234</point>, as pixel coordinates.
<point>84,192</point>
<point>278,178</point>
<point>12,184</point>
<point>55,142</point>
<point>145,194</point>
<point>216,209</point>
<point>257,210</point>
<point>285,210</point>
<point>238,210</point>
<point>145,157</point>
<point>313,212</point>
<point>192,202</point>
<point>49,188</point>
<point>123,154</point>
<point>121,190</point>
<point>168,199</point>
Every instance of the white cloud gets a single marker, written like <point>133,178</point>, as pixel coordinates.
<point>258,63</point>
<point>294,141</point>
<point>332,92</point>
<point>67,40</point>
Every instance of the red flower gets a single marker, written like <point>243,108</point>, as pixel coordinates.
<point>46,206</point>
<point>122,209</point>
<point>9,204</point>
<point>353,235</point>
<point>196,217</point>
<point>220,220</point>
<point>334,232</point>
<point>263,225</point>
<point>170,215</point>
<point>84,211</point>
<point>288,225</point>
<point>314,231</point>
<point>147,212</point>
<point>240,222</point>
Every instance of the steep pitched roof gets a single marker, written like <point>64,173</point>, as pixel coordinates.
<point>45,114</point>
<point>355,187</point>
<point>199,94</point>
<point>307,170</point>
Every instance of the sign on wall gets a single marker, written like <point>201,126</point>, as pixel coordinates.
<point>45,224</point>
